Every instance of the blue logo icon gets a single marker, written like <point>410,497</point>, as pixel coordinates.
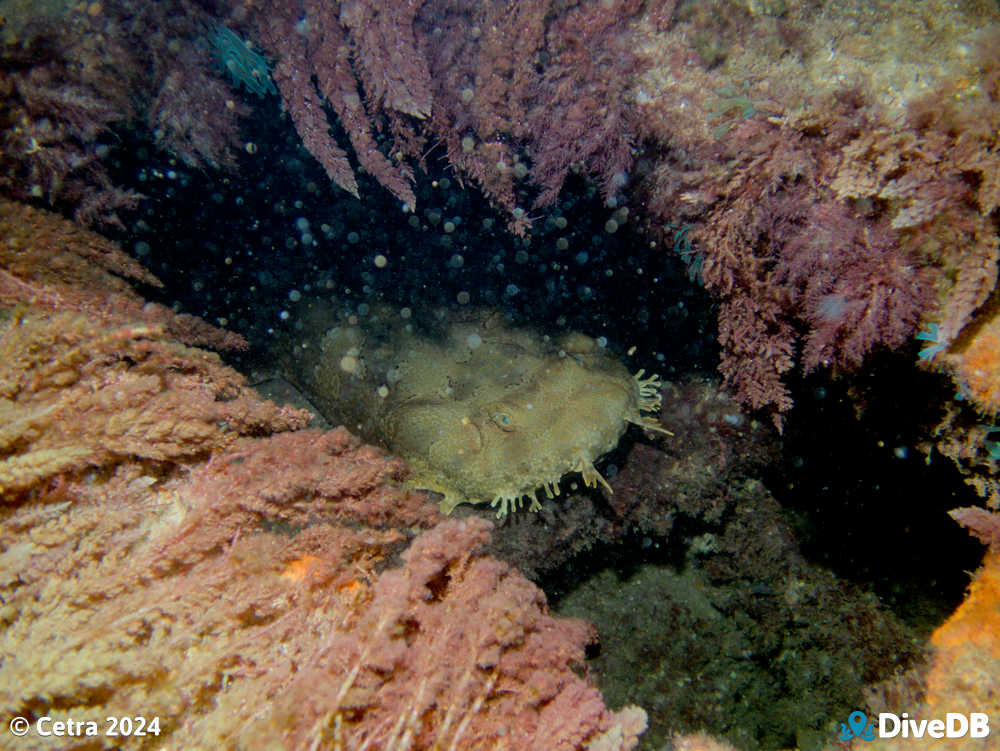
<point>857,726</point>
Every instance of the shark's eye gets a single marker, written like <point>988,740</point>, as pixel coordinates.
<point>503,421</point>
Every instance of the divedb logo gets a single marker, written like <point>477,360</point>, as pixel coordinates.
<point>954,725</point>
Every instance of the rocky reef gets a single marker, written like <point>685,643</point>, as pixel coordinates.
<point>467,231</point>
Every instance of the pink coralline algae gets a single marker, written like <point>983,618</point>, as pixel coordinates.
<point>515,92</point>
<point>72,81</point>
<point>288,594</point>
<point>174,546</point>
